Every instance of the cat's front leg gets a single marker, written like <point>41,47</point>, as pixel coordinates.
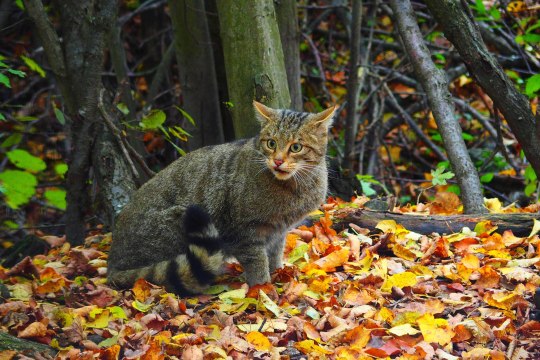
<point>274,250</point>
<point>255,263</point>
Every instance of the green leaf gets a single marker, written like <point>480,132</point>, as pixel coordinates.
<point>530,189</point>
<point>18,73</point>
<point>10,224</point>
<point>123,108</point>
<point>297,253</point>
<point>367,188</point>
<point>18,187</point>
<point>186,115</point>
<point>495,13</point>
<point>486,178</point>
<point>153,120</point>
<point>533,85</point>
<point>2,117</point>
<point>454,188</point>
<point>440,176</point>
<point>142,307</point>
<point>19,4</point>
<point>56,198</point>
<point>61,169</point>
<point>467,136</point>
<point>117,312</point>
<point>480,7</point>
<point>11,140</point>
<point>530,175</point>
<point>34,66</point>
<point>26,118</point>
<point>4,80</point>
<point>24,160</point>
<point>108,342</point>
<point>59,115</point>
<point>531,38</point>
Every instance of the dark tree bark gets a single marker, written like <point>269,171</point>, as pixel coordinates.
<point>287,17</point>
<point>253,60</point>
<point>460,29</point>
<point>31,349</point>
<point>197,73</point>
<point>434,82</point>
<point>353,85</point>
<point>521,224</point>
<point>76,62</point>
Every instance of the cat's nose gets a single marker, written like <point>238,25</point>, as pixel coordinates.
<point>278,162</point>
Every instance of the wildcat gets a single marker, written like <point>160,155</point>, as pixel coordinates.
<point>232,200</point>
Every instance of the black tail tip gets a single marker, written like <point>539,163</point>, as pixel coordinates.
<point>196,219</point>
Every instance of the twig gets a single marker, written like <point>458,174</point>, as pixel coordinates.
<point>319,64</point>
<point>124,145</point>
<point>414,126</point>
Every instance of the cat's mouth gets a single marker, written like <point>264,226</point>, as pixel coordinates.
<point>281,174</point>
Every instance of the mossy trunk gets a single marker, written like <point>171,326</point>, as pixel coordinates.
<point>31,349</point>
<point>287,17</point>
<point>253,60</point>
<point>197,73</point>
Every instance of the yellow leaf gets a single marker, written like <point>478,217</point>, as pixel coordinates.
<point>258,340</point>
<point>399,280</point>
<point>435,330</point>
<point>405,329</point>
<point>269,304</point>
<point>404,253</point>
<point>309,346</point>
<point>535,229</point>
<point>234,294</point>
<point>100,319</point>
<point>493,205</point>
<point>470,261</point>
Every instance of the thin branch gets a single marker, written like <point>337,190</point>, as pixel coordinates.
<point>48,36</point>
<point>126,148</point>
<point>414,126</point>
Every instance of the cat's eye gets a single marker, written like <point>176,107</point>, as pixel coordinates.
<point>296,147</point>
<point>271,144</point>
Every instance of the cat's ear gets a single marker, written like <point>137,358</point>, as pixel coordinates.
<point>325,117</point>
<point>264,113</point>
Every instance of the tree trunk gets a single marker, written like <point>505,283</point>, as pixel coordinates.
<point>434,82</point>
<point>197,72</point>
<point>460,29</point>
<point>353,88</point>
<point>253,60</point>
<point>77,64</point>
<point>287,17</point>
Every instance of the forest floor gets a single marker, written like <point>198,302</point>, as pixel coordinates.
<point>387,292</point>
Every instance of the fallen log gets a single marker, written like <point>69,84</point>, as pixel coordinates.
<point>520,224</point>
<point>31,349</point>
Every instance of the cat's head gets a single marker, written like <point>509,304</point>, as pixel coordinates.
<point>293,142</point>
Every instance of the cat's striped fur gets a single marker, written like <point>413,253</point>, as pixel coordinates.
<point>231,200</point>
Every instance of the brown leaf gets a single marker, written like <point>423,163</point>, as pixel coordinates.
<point>24,267</point>
<point>35,329</point>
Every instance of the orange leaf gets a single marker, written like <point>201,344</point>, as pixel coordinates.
<point>329,262</point>
<point>52,282</point>
<point>326,223</point>
<point>154,352</point>
<point>141,290</point>
<point>259,340</point>
<point>461,333</point>
<point>489,277</point>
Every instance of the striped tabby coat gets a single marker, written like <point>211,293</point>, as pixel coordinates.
<point>232,200</point>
